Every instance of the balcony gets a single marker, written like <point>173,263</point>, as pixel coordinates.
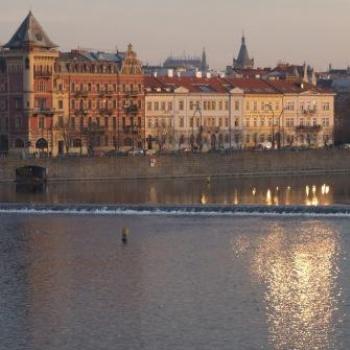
<point>308,128</point>
<point>132,93</point>
<point>82,93</point>
<point>43,111</point>
<point>81,111</point>
<point>133,109</point>
<point>106,111</point>
<point>310,111</point>
<point>42,75</point>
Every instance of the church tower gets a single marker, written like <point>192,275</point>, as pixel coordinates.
<point>30,56</point>
<point>243,60</point>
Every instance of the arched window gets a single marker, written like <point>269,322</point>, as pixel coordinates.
<point>41,144</point>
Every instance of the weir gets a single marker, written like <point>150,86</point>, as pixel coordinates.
<point>180,210</point>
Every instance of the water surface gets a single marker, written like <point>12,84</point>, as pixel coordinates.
<point>204,283</point>
<point>300,190</point>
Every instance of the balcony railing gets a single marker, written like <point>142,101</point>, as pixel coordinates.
<point>42,75</point>
<point>81,111</point>
<point>133,109</point>
<point>308,128</point>
<point>106,111</point>
<point>81,93</point>
<point>132,93</point>
<point>310,111</point>
<point>43,111</point>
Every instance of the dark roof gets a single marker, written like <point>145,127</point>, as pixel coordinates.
<point>224,85</point>
<point>243,60</point>
<point>30,34</point>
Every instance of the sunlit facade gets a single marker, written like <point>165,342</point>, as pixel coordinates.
<point>220,113</point>
<point>76,102</point>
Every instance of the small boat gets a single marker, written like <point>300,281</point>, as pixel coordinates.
<point>31,175</point>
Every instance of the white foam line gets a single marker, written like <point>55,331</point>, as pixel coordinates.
<point>160,212</point>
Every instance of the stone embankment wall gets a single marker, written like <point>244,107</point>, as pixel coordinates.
<point>187,165</point>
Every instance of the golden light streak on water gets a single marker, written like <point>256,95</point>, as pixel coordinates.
<point>307,191</point>
<point>299,275</point>
<point>268,197</point>
<point>235,201</point>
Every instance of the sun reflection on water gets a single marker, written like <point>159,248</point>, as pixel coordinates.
<point>299,275</point>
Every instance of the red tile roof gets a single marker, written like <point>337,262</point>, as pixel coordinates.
<point>224,85</point>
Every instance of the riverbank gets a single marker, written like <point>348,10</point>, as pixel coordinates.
<point>240,164</point>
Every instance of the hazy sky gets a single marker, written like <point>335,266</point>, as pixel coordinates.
<point>316,31</point>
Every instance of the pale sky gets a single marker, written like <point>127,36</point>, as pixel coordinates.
<point>315,31</point>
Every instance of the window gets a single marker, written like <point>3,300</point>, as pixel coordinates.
<point>170,106</point>
<point>150,123</point>
<point>163,106</point>
<point>149,106</point>
<point>255,106</point>
<point>114,122</point>
<point>191,105</point>
<point>182,122</point>
<point>220,122</point>
<point>41,123</point>
<point>220,105</point>
<point>247,122</point>
<point>73,123</point>
<point>326,106</point>
<point>236,105</point>
<point>247,138</point>
<point>60,121</point>
<point>156,106</point>
<point>18,103</point>
<point>18,123</point>
<point>181,105</point>
<point>290,106</point>
<point>60,104</point>
<point>226,122</point>
<point>226,105</point>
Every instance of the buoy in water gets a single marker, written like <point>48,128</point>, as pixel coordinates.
<point>125,234</point>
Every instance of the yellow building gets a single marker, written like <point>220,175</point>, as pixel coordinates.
<point>220,113</point>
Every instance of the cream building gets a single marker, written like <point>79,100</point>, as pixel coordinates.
<point>221,113</point>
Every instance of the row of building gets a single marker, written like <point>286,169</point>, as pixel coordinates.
<point>87,102</point>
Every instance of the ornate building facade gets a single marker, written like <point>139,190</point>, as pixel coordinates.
<point>77,102</point>
<point>220,113</point>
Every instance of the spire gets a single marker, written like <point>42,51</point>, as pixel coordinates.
<point>30,34</point>
<point>243,60</point>
<point>204,64</point>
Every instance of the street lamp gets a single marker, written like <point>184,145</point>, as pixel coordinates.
<point>269,106</point>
